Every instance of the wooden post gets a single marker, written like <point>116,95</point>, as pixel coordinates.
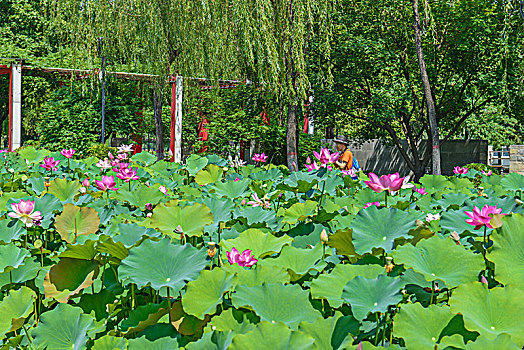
<point>173,118</point>
<point>15,107</point>
<point>178,119</point>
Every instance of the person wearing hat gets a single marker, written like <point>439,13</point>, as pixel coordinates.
<point>345,161</point>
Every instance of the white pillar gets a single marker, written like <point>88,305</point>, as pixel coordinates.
<point>16,131</point>
<point>178,118</point>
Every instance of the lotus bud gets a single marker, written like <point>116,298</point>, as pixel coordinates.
<point>419,223</point>
<point>243,202</point>
<point>180,230</point>
<point>212,249</point>
<point>82,190</point>
<point>389,264</point>
<point>454,236</point>
<point>324,238</point>
<point>225,169</point>
<point>149,206</point>
<point>483,280</point>
<point>86,183</point>
<point>149,215</point>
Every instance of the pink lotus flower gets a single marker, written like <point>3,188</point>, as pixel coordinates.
<point>421,190</point>
<point>50,163</point>
<point>325,156</point>
<point>480,217</point>
<point>163,189</point>
<point>121,156</point>
<point>489,173</point>
<point>245,259</point>
<point>127,174</point>
<point>86,183</point>
<point>149,206</point>
<point>243,202</point>
<point>107,183</point>
<point>460,171</point>
<point>351,172</point>
<point>432,217</point>
<point>391,182</point>
<point>119,166</point>
<point>103,164</point>
<point>370,204</point>
<point>312,167</point>
<point>237,179</point>
<point>125,148</point>
<point>68,153</point>
<point>110,155</point>
<point>257,202</point>
<point>24,210</point>
<point>260,158</point>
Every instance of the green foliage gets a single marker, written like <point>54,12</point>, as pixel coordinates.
<point>102,271</point>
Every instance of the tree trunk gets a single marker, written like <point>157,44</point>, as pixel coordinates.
<point>291,137</point>
<point>435,138</point>
<point>159,128</point>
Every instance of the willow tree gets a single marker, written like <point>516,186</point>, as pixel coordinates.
<point>264,41</point>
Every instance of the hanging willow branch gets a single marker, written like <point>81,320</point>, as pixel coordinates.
<point>228,39</point>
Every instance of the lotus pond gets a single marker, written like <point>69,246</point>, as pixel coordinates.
<point>130,253</point>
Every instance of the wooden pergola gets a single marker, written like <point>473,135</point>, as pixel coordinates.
<point>14,70</point>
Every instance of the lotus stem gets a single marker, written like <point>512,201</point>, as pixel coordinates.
<point>169,303</point>
<point>386,198</point>
<point>132,296</point>
<point>28,337</point>
<point>378,331</point>
<point>432,292</point>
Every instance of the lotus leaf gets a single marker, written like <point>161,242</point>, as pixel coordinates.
<point>108,342</point>
<point>369,295</point>
<point>64,189</point>
<point>490,312</point>
<point>269,335</point>
<point>331,333</point>
<point>162,264</point>
<point>86,251</point>
<point>276,302</point>
<point>513,182</point>
<point>342,241</point>
<point>502,341</point>
<point>227,321</point>
<point>205,293</point>
<point>192,219</point>
<point>330,286</point>
<point>140,196</point>
<point>231,189</point>
<point>441,259</point>
<point>508,251</point>
<point>262,244</point>
<point>144,157</point>
<point>421,327</point>
<point>378,228</point>
<point>64,327</point>
<point>195,163</point>
<point>144,316</point>
<point>12,257</point>
<point>11,230</point>
<point>299,212</point>
<point>75,221</point>
<point>299,262</point>
<point>210,174</point>
<point>263,273</point>
<point>220,208</point>
<point>130,234</point>
<point>185,324</point>
<point>15,308</point>
<point>68,277</point>
<point>434,183</point>
<point>27,271</point>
